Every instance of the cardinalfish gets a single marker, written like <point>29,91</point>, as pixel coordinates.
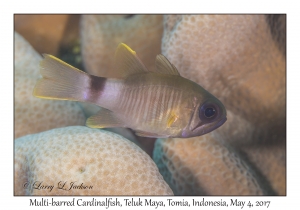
<point>158,103</point>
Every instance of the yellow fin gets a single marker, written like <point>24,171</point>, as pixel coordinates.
<point>127,48</point>
<point>127,61</point>
<point>60,80</point>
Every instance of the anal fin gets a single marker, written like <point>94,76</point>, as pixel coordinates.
<point>104,119</point>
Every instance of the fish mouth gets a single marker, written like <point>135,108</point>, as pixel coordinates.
<point>215,126</point>
<point>201,130</point>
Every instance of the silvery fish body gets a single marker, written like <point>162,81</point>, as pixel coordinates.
<point>154,104</point>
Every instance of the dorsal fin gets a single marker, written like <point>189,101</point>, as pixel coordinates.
<point>127,62</point>
<point>164,66</point>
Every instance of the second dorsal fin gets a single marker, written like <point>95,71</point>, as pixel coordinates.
<point>127,62</point>
<point>164,66</point>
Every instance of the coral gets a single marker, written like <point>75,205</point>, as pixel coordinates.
<point>204,166</point>
<point>32,114</point>
<point>237,59</point>
<point>270,161</point>
<point>44,32</point>
<point>101,34</point>
<point>109,163</point>
<point>98,158</point>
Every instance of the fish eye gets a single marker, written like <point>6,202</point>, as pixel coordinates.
<point>209,111</point>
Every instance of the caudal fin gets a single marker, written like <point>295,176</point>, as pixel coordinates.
<point>61,81</point>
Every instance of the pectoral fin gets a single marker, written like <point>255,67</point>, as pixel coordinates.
<point>127,62</point>
<point>164,66</point>
<point>104,119</point>
<point>172,118</point>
